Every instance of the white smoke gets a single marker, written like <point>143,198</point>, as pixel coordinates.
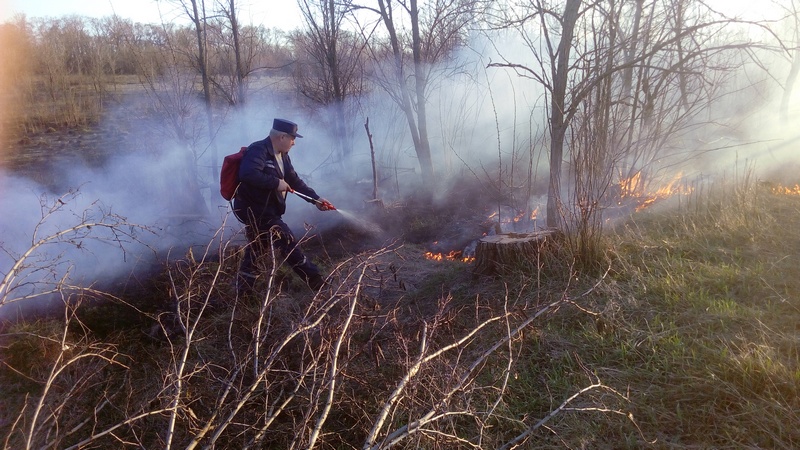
<point>479,118</point>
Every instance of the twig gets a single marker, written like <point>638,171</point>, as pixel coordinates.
<point>414,426</point>
<point>552,414</point>
<point>334,368</point>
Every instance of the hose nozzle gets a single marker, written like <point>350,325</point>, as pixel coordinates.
<point>326,205</point>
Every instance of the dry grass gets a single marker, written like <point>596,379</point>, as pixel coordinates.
<point>689,340</point>
<point>704,332</point>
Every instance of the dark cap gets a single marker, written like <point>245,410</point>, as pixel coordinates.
<point>286,127</point>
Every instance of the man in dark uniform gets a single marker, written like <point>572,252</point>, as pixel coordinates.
<point>266,175</point>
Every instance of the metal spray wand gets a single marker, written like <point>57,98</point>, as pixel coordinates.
<point>327,205</point>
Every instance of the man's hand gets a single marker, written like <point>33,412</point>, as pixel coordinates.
<point>283,186</point>
<point>324,205</point>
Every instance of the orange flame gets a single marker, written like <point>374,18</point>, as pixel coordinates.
<point>516,218</point>
<point>785,190</point>
<point>454,255</point>
<point>630,187</point>
<point>633,187</point>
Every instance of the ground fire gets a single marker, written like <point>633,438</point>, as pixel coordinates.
<point>633,188</point>
<point>786,190</point>
<point>519,225</point>
<point>455,255</point>
<point>518,217</point>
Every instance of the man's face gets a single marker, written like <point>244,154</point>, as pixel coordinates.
<point>284,144</point>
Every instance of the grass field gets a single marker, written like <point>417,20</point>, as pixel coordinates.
<point>687,338</point>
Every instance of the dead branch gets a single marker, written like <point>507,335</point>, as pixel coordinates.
<point>25,266</point>
<point>335,359</point>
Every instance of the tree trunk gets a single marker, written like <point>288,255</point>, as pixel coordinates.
<point>420,82</point>
<point>558,125</point>
<point>502,253</point>
<point>331,29</point>
<point>682,77</point>
<point>787,92</point>
<point>237,51</point>
<point>374,165</point>
<point>630,51</point>
<point>202,64</point>
<point>421,146</point>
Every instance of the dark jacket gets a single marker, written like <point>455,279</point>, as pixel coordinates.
<point>259,174</point>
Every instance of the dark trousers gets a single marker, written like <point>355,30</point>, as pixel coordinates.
<point>263,234</point>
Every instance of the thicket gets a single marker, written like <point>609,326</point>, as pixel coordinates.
<point>67,71</point>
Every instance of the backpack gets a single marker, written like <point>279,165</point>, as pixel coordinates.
<point>229,175</point>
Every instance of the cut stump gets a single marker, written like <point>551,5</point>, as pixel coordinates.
<point>497,254</point>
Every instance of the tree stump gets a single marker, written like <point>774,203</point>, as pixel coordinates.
<point>500,253</point>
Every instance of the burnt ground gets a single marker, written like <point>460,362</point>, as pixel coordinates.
<point>401,232</point>
<point>409,229</point>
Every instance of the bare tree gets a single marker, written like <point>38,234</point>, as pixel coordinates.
<point>414,55</point>
<point>229,10</point>
<point>330,69</point>
<point>559,108</point>
<point>652,51</point>
<point>170,81</point>
<point>63,55</point>
<point>793,54</point>
<point>195,11</point>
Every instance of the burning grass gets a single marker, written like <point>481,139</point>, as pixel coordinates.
<point>786,190</point>
<point>453,255</point>
<point>643,194</point>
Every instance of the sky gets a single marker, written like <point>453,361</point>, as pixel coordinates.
<point>283,14</point>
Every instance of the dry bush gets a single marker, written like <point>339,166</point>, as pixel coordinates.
<point>296,369</point>
<point>42,267</point>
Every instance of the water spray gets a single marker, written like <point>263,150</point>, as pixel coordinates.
<point>366,225</point>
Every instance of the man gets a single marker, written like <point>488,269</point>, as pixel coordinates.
<point>266,175</point>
